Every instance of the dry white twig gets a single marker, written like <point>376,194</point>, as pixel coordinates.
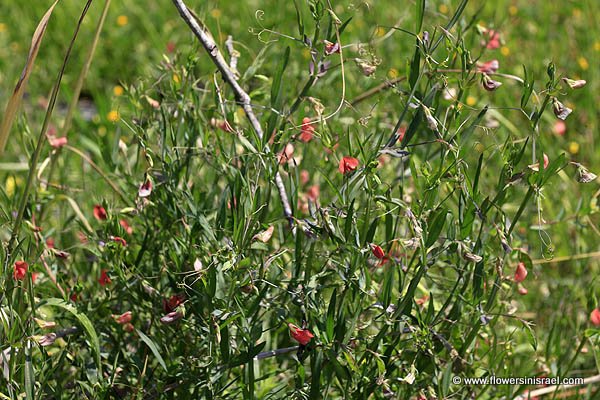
<point>241,96</point>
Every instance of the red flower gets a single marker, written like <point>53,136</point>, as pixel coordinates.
<point>494,39</point>
<point>307,130</point>
<point>173,302</point>
<point>100,213</point>
<point>125,225</point>
<point>301,336</point>
<point>145,189</point>
<point>171,47</point>
<point>50,243</point>
<point>119,240</point>
<point>595,317</point>
<point>104,278</point>
<point>377,251</point>
<point>128,327</point>
<point>348,164</point>
<point>20,270</point>
<point>124,318</point>
<point>73,297</point>
<point>400,133</point>
<point>520,273</point>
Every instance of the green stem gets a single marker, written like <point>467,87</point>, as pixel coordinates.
<point>40,142</point>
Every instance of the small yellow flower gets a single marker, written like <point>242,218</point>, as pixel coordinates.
<point>11,185</point>
<point>513,10</point>
<point>583,63</point>
<point>471,101</point>
<point>113,116</point>
<point>597,46</point>
<point>176,78</point>
<point>443,9</point>
<point>216,13</point>
<point>573,147</point>
<point>122,20</point>
<point>2,27</point>
<point>392,73</point>
<point>505,51</point>
<point>380,31</point>
<point>118,90</point>
<point>576,13</point>
<point>306,53</point>
<point>101,131</point>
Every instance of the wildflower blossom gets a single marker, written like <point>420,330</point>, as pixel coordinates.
<point>595,317</point>
<point>124,318</point>
<point>100,213</point>
<point>307,130</point>
<point>520,273</point>
<point>348,164</point>
<point>104,278</point>
<point>20,270</point>
<point>302,336</point>
<point>377,251</point>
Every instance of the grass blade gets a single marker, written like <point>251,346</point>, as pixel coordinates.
<point>15,101</point>
<point>87,326</point>
<point>153,348</point>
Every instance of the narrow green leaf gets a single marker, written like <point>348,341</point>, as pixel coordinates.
<point>85,322</point>
<point>150,343</point>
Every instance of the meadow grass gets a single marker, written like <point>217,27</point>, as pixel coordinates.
<point>158,231</point>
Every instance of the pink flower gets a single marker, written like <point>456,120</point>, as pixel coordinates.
<point>124,318</point>
<point>489,67</point>
<point>304,177</point>
<point>331,48</point>
<point>400,133</point>
<point>520,273</point>
<point>57,142</point>
<point>560,127</point>
<point>145,189</point>
<point>348,164</point>
<point>20,270</point>
<point>302,336</point>
<point>171,317</point>
<point>100,213</point>
<point>287,154</point>
<point>493,39</point>
<point>522,290</point>
<point>313,193</point>
<point>595,317</point>
<point>125,225</point>
<point>307,130</point>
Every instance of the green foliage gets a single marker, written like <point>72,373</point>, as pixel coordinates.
<point>171,270</point>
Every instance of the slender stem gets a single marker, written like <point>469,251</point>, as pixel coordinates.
<point>520,210</point>
<point>40,142</point>
<point>207,41</point>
